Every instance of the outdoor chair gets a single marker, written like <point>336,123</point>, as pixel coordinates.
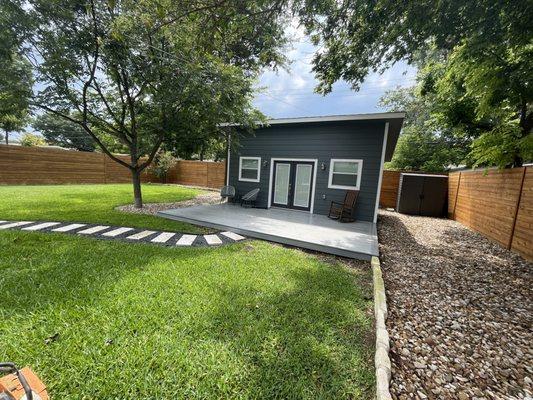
<point>344,211</point>
<point>227,192</point>
<point>249,199</point>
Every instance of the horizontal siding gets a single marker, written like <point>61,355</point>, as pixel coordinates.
<point>352,140</point>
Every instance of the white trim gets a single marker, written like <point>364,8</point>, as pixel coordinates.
<point>330,118</point>
<point>383,150</point>
<point>315,173</point>
<point>228,159</point>
<point>359,173</point>
<point>258,159</point>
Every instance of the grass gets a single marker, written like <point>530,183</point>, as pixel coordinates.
<point>113,320</point>
<point>91,203</point>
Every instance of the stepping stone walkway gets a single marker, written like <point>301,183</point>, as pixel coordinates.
<point>127,234</point>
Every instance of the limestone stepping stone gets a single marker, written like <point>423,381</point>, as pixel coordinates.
<point>40,226</point>
<point>163,237</point>
<point>68,228</point>
<point>141,235</point>
<point>186,240</point>
<point>15,224</point>
<point>233,236</point>
<point>94,229</point>
<point>116,232</point>
<point>212,239</point>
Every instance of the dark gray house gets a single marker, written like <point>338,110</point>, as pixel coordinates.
<point>305,163</point>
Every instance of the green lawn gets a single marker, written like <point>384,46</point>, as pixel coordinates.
<point>112,320</point>
<point>91,203</point>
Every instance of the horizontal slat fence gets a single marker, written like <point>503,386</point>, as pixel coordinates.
<point>497,204</point>
<point>40,166</point>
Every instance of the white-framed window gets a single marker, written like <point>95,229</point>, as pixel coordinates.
<point>249,169</point>
<point>345,174</point>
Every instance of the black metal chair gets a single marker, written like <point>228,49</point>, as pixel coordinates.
<point>227,192</point>
<point>344,211</point>
<point>249,199</point>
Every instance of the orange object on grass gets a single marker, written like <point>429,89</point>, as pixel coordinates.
<point>11,384</point>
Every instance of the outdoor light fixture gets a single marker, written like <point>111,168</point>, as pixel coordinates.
<point>323,166</point>
<point>265,163</point>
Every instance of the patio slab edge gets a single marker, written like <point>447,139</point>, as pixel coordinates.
<point>381,359</point>
<point>272,238</point>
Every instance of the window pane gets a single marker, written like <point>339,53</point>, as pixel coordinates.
<point>249,173</point>
<point>344,180</point>
<point>249,164</point>
<point>345,167</point>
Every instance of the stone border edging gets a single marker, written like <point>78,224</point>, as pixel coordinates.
<point>381,359</point>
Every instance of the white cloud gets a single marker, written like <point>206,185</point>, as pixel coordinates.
<point>291,93</point>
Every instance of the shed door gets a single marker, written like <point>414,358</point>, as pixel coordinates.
<point>292,186</point>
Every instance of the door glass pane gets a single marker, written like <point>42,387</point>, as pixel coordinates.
<point>281,186</point>
<point>302,185</point>
<point>346,167</point>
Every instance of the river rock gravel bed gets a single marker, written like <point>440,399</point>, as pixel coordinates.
<point>153,208</point>
<point>460,312</point>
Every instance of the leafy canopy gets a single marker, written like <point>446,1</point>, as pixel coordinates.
<point>58,131</point>
<point>482,79</point>
<point>421,146</point>
<point>146,72</point>
<point>30,140</point>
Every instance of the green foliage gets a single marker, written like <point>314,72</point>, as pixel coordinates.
<point>31,140</point>
<point>59,131</point>
<point>476,59</point>
<point>163,162</point>
<point>421,146</point>
<point>151,72</point>
<point>15,91</point>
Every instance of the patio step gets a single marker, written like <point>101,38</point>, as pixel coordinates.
<point>133,234</point>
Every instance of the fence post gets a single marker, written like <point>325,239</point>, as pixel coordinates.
<point>456,195</point>
<point>517,207</point>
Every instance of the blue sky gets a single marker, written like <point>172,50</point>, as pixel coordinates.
<point>290,93</point>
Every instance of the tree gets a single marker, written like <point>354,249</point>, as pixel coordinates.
<point>59,131</point>
<point>163,163</point>
<point>484,74</point>
<point>31,140</point>
<point>15,91</point>
<point>139,71</point>
<point>422,146</point>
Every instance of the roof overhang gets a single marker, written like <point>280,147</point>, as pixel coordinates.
<point>394,119</point>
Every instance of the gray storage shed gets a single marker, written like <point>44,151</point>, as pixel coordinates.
<point>305,163</point>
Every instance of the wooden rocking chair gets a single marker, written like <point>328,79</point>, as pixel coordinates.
<point>344,211</point>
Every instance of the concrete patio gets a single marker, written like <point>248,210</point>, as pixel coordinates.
<point>294,228</point>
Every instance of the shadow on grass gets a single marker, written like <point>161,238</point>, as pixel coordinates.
<point>247,320</point>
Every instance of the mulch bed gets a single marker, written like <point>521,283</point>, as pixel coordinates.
<point>460,312</point>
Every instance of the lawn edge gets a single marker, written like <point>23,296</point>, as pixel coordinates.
<point>381,359</point>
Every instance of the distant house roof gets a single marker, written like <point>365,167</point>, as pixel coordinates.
<point>395,120</point>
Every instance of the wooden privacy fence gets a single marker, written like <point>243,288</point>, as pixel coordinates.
<point>41,165</point>
<point>496,203</point>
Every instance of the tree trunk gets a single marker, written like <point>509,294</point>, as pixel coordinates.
<point>7,137</point>
<point>137,195</point>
